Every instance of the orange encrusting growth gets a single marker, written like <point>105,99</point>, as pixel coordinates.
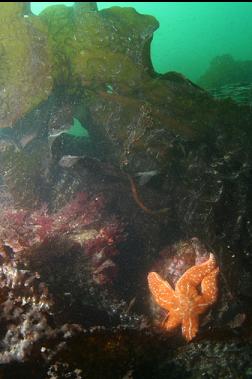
<point>186,302</point>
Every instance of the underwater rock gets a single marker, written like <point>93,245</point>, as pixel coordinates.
<point>31,137</point>
<point>102,59</point>
<point>60,370</point>
<point>25,69</point>
<point>229,78</point>
<point>6,199</point>
<point>134,113</point>
<point>106,353</point>
<point>82,221</point>
<point>211,359</point>
<point>74,250</point>
<point>108,48</point>
<point>125,353</point>
<point>224,70</point>
<point>24,174</point>
<point>176,259</point>
<point>155,142</point>
<point>241,93</point>
<point>86,7</point>
<point>145,131</point>
<point>25,309</point>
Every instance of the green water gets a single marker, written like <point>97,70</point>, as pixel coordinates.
<point>78,129</point>
<point>192,34</point>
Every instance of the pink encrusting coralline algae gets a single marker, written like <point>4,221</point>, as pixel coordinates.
<point>83,221</point>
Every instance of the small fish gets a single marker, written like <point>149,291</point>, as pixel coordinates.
<point>26,139</point>
<point>86,161</point>
<point>10,137</point>
<point>76,130</point>
<point>92,164</point>
<point>56,133</point>
<point>146,176</point>
<point>68,161</point>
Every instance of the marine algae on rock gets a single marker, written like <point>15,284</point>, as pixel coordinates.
<point>25,68</point>
<point>95,66</point>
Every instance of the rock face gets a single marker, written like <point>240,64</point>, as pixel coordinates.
<point>102,58</point>
<point>173,166</point>
<point>134,113</point>
<point>25,307</point>
<point>229,78</point>
<point>109,48</point>
<point>225,70</point>
<point>25,68</point>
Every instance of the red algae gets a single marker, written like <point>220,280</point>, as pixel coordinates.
<point>83,221</point>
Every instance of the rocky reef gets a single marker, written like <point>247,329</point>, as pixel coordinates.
<point>224,69</point>
<point>229,78</point>
<point>159,178</point>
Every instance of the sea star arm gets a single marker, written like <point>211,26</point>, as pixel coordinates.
<point>209,289</point>
<point>190,326</point>
<point>172,322</point>
<point>161,290</point>
<point>194,275</point>
<point>209,286</point>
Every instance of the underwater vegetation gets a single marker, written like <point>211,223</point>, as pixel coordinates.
<point>79,222</point>
<point>25,62</point>
<point>109,173</point>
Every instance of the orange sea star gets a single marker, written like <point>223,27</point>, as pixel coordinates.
<point>186,303</point>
